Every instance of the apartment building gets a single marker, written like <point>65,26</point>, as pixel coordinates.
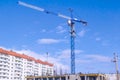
<point>15,66</point>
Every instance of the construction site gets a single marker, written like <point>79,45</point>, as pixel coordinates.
<point>72,75</point>
<point>36,46</point>
<point>59,39</point>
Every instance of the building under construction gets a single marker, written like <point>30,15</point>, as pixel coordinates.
<point>69,77</point>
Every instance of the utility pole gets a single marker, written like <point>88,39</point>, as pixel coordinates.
<point>115,60</point>
<point>47,66</point>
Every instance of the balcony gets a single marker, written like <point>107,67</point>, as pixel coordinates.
<point>3,74</point>
<point>4,57</point>
<point>18,70</point>
<point>4,67</point>
<point>4,71</point>
<point>4,60</point>
<point>19,61</point>
<point>4,63</point>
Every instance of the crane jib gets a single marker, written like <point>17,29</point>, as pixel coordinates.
<point>48,12</point>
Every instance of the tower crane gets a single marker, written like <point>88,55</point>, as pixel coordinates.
<point>71,22</point>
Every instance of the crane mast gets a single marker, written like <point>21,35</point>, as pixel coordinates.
<point>72,50</point>
<point>71,22</point>
<point>72,32</point>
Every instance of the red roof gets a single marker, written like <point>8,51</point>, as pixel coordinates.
<point>24,56</point>
<point>46,63</point>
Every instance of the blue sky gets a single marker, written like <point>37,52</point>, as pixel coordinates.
<point>35,33</point>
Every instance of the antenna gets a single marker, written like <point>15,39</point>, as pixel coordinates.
<point>47,56</point>
<point>71,22</point>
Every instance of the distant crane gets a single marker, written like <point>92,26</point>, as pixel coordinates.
<point>71,22</point>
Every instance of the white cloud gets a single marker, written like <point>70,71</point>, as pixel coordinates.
<point>99,58</point>
<point>5,48</point>
<point>64,57</point>
<point>48,41</point>
<point>43,30</point>
<point>31,53</point>
<point>66,53</point>
<point>82,33</point>
<point>106,43</point>
<point>98,39</point>
<point>60,29</point>
<point>78,61</point>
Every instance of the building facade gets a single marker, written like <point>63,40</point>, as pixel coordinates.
<point>15,66</point>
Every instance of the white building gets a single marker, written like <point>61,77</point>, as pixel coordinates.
<point>15,66</point>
